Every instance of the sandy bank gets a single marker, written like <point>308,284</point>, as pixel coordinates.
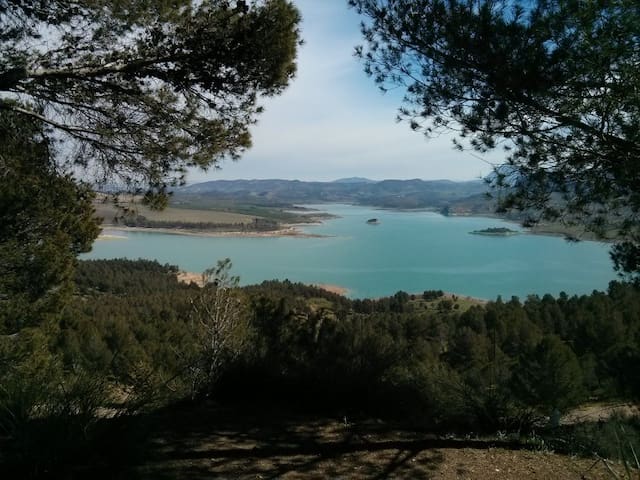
<point>193,277</point>
<point>332,288</point>
<point>111,236</point>
<point>288,231</point>
<point>190,277</point>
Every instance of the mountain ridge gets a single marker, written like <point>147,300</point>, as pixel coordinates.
<point>388,193</point>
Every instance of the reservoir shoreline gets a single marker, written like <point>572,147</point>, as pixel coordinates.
<point>412,252</point>
<point>294,229</point>
<point>286,231</point>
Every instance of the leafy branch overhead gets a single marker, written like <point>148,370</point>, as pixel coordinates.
<point>554,83</point>
<point>144,90</point>
<point>129,91</point>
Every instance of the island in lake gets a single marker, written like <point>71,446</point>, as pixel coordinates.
<point>373,221</point>
<point>496,231</point>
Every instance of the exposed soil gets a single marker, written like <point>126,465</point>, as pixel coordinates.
<point>595,412</point>
<point>190,277</point>
<point>332,288</point>
<point>203,444</point>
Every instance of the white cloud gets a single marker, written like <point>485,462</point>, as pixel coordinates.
<point>333,122</point>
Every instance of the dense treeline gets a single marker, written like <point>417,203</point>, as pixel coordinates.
<point>502,365</point>
<point>134,338</point>
<point>497,361</point>
<point>258,224</point>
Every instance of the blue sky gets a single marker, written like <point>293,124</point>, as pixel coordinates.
<point>333,122</point>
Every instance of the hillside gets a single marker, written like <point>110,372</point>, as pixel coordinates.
<point>434,194</point>
<point>203,216</point>
<point>310,384</point>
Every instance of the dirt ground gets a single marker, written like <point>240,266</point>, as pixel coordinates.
<point>190,277</point>
<point>595,412</point>
<point>203,446</point>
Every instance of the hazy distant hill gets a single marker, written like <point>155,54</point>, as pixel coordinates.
<point>416,193</point>
<point>354,180</point>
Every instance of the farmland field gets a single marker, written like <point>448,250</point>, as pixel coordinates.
<point>108,211</point>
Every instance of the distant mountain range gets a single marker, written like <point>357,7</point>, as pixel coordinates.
<point>445,195</point>
<point>354,180</point>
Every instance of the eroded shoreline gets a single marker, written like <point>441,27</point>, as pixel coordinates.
<point>287,231</point>
<point>197,278</point>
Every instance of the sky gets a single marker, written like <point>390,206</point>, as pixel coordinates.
<point>333,122</point>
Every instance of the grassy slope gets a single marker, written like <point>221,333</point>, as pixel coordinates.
<point>108,211</point>
<point>202,211</point>
<point>284,213</point>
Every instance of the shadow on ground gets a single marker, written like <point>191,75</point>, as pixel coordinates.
<point>211,442</point>
<point>206,441</point>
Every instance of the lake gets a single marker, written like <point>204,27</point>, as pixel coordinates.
<point>410,251</point>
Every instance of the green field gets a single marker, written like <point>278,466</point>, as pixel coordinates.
<point>203,210</point>
<point>108,211</point>
<point>279,212</point>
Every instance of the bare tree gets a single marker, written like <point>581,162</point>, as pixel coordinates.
<point>219,325</point>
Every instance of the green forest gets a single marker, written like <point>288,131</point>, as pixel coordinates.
<point>108,97</point>
<point>134,340</point>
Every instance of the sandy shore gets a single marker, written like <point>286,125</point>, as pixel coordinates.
<point>111,236</point>
<point>332,288</point>
<point>288,231</point>
<point>193,277</point>
<point>190,277</point>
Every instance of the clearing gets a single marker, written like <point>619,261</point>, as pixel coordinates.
<point>206,442</point>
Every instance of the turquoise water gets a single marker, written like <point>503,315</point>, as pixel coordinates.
<point>410,251</point>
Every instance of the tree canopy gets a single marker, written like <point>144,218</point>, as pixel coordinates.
<point>554,83</point>
<point>142,90</point>
<point>128,91</point>
<point>46,220</point>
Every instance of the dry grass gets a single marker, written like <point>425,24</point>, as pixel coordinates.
<point>108,211</point>
<point>191,277</point>
<point>599,412</point>
<point>463,302</point>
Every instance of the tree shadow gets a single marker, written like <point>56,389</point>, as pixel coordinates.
<point>205,442</point>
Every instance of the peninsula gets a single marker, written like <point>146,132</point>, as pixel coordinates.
<point>496,232</point>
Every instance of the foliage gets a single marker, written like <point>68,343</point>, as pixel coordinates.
<point>47,411</point>
<point>143,89</point>
<point>136,91</point>
<point>505,365</point>
<point>431,295</point>
<point>131,325</point>
<point>553,376</point>
<point>553,82</point>
<point>134,338</point>
<point>28,377</point>
<point>258,225</point>
<point>495,364</point>
<point>617,438</point>
<point>218,324</point>
<point>46,220</point>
